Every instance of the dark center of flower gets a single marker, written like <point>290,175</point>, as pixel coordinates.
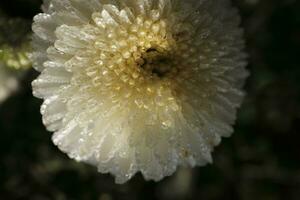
<point>156,63</point>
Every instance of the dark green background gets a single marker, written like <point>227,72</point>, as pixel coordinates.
<point>261,161</point>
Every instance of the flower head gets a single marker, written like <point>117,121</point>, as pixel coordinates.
<point>139,85</point>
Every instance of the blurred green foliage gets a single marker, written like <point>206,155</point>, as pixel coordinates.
<point>260,161</point>
<point>15,34</point>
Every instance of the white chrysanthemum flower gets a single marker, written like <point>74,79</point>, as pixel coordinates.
<point>139,85</point>
<point>8,82</point>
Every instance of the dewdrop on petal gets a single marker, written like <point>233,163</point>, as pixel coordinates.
<point>139,85</point>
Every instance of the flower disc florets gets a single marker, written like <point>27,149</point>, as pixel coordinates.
<point>139,85</point>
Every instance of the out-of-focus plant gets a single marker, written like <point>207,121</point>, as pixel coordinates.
<point>14,53</point>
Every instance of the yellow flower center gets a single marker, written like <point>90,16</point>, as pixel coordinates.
<point>143,52</point>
